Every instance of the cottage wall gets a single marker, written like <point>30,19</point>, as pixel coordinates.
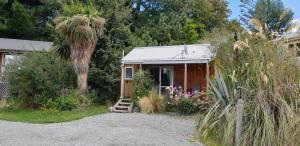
<point>196,75</point>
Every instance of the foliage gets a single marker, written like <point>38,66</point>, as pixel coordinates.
<point>148,23</point>
<point>17,29</point>
<point>146,105</point>
<point>265,76</point>
<point>186,107</point>
<point>67,103</point>
<point>70,100</point>
<point>165,19</point>
<point>190,32</point>
<point>3,103</point>
<point>49,116</point>
<point>142,84</point>
<point>271,13</point>
<point>80,26</point>
<point>152,103</point>
<point>50,104</point>
<point>185,103</point>
<point>35,77</point>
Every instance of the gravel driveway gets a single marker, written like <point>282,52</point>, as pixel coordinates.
<point>107,129</point>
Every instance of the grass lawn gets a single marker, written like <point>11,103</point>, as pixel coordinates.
<point>37,116</point>
<point>211,139</point>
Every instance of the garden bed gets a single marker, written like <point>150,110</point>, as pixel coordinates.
<point>38,116</point>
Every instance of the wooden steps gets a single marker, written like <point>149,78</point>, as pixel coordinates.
<point>124,105</point>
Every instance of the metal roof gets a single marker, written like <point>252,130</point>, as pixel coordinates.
<point>23,45</point>
<point>197,53</point>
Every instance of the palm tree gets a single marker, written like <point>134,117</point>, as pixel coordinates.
<point>80,26</point>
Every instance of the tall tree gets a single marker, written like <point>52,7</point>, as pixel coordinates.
<point>271,14</point>
<point>20,24</point>
<point>80,26</point>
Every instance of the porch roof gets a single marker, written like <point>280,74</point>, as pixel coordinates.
<point>11,45</point>
<point>196,53</point>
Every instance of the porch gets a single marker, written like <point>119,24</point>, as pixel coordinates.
<point>184,66</point>
<point>188,77</point>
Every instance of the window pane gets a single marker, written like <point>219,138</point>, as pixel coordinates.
<point>166,76</point>
<point>10,58</point>
<point>128,73</point>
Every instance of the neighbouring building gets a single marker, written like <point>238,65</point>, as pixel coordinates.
<point>291,39</point>
<point>11,48</point>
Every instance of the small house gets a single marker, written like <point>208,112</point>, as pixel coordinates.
<point>10,48</point>
<point>184,66</point>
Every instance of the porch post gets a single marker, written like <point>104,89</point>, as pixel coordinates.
<point>122,81</point>
<point>207,75</point>
<point>185,78</point>
<point>295,49</point>
<point>141,67</point>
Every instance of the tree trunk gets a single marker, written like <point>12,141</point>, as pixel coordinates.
<point>82,82</point>
<point>81,53</point>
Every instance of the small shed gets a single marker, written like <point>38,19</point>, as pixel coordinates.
<point>184,66</point>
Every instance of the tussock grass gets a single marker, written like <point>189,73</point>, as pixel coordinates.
<point>152,103</point>
<point>267,77</point>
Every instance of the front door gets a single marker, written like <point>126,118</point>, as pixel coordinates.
<point>163,77</point>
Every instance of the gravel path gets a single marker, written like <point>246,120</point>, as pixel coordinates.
<point>108,129</point>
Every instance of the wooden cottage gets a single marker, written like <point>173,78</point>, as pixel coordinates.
<point>183,66</point>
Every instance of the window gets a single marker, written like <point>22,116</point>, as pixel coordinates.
<point>128,73</point>
<point>10,58</point>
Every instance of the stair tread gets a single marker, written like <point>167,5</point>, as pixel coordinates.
<point>119,106</point>
<point>121,111</point>
<point>127,99</point>
<point>127,103</point>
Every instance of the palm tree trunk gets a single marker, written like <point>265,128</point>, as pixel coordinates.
<point>82,82</point>
<point>80,55</point>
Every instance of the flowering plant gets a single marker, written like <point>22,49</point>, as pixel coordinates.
<point>185,103</point>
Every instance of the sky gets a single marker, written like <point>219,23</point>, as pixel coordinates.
<point>292,4</point>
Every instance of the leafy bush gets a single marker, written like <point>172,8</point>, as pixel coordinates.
<point>50,104</point>
<point>67,103</point>
<point>152,103</point>
<point>186,106</point>
<point>142,84</point>
<point>37,77</point>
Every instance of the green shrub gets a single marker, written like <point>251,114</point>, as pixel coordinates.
<point>67,103</point>
<point>186,107</point>
<point>51,104</point>
<point>37,77</point>
<point>91,97</point>
<point>142,84</point>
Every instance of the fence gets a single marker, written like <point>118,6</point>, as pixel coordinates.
<point>4,90</point>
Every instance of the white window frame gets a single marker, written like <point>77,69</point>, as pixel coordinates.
<point>125,75</point>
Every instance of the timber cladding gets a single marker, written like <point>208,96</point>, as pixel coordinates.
<point>196,75</point>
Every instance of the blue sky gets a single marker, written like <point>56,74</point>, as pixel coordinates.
<point>292,4</point>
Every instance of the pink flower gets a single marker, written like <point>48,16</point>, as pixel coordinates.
<point>176,98</point>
